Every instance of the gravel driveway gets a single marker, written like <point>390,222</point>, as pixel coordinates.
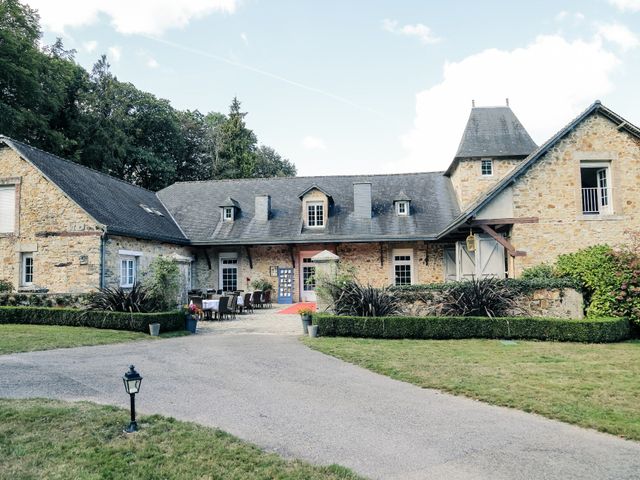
<point>273,391</point>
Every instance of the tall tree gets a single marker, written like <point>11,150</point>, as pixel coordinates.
<point>269,163</point>
<point>236,153</point>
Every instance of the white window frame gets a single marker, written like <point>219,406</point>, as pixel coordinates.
<point>128,271</point>
<point>223,257</point>
<point>403,252</point>
<point>484,162</point>
<point>603,209</point>
<point>11,219</point>
<point>402,208</point>
<point>23,268</point>
<point>318,219</point>
<point>227,214</point>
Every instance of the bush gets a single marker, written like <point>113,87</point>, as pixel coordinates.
<point>486,297</point>
<point>262,285</point>
<point>351,298</point>
<point>44,300</point>
<point>135,322</point>
<point>600,330</point>
<point>136,299</point>
<point>5,286</point>
<point>542,271</point>
<point>163,283</point>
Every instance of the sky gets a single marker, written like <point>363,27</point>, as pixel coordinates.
<point>365,86</point>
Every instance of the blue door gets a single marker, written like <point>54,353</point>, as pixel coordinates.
<point>285,285</point>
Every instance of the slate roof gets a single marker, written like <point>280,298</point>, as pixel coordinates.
<point>110,201</point>
<point>530,160</point>
<point>493,132</point>
<point>194,205</point>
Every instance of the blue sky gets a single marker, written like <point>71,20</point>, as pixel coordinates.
<point>345,87</point>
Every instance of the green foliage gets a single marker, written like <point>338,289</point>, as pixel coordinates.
<point>597,330</point>
<point>351,298</point>
<point>597,269</point>
<point>51,102</point>
<point>486,297</point>
<point>43,300</point>
<point>5,286</point>
<point>262,284</point>
<point>135,299</point>
<point>135,322</point>
<point>542,271</point>
<point>163,282</point>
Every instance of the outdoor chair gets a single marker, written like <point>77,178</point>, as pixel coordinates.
<point>267,298</point>
<point>248,306</point>
<point>256,299</point>
<point>223,307</point>
<point>233,306</point>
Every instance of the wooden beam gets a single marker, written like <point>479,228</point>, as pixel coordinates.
<point>293,257</point>
<point>502,241</point>
<point>206,255</point>
<point>496,221</point>
<point>381,254</point>
<point>248,250</point>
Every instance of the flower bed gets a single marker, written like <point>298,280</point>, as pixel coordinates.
<point>135,322</point>
<point>600,330</point>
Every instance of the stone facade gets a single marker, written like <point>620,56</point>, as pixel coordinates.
<point>63,239</point>
<point>469,183</point>
<point>551,191</point>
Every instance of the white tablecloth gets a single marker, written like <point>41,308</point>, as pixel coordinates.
<point>213,304</point>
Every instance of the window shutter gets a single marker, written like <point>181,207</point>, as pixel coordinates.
<point>7,208</point>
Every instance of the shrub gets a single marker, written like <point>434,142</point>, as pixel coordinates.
<point>487,297</point>
<point>135,322</point>
<point>163,283</point>
<point>542,271</point>
<point>351,298</point>
<point>599,330</point>
<point>5,286</point>
<point>44,300</point>
<point>262,284</point>
<point>136,299</point>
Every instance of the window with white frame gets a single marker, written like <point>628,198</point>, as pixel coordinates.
<point>229,272</point>
<point>402,208</point>
<point>228,214</point>
<point>7,208</point>
<point>595,179</point>
<point>27,271</point>
<point>486,167</point>
<point>315,214</point>
<point>403,267</point>
<point>127,271</point>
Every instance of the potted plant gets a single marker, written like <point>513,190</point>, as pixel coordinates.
<point>305,314</point>
<point>192,314</point>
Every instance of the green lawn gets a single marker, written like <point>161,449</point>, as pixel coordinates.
<point>592,385</point>
<point>55,440</point>
<point>27,338</point>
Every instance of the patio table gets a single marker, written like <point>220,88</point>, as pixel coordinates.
<point>213,304</point>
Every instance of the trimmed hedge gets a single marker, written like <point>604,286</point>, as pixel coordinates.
<point>601,330</point>
<point>521,285</point>
<point>135,322</point>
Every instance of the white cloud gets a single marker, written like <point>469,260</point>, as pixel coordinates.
<point>548,82</point>
<point>422,32</point>
<point>152,63</point>
<point>139,16</point>
<point>244,38</point>
<point>564,15</point>
<point>90,46</point>
<point>619,34</point>
<point>631,5</point>
<point>313,143</point>
<point>114,53</point>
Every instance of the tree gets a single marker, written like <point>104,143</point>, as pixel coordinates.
<point>269,163</point>
<point>236,153</point>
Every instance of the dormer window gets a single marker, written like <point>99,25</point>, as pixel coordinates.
<point>315,214</point>
<point>228,214</point>
<point>486,167</point>
<point>402,208</point>
<point>228,209</point>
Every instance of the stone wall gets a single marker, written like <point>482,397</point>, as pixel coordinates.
<point>469,183</point>
<point>549,303</point>
<point>64,240</point>
<point>551,191</point>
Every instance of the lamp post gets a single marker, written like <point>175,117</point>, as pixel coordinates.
<point>132,381</point>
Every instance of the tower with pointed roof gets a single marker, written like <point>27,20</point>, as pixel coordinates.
<point>493,143</point>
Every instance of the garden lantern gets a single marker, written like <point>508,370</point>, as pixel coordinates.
<point>132,381</point>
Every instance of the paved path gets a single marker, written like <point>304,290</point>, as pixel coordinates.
<point>277,393</point>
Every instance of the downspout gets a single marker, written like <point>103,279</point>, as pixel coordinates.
<point>103,241</point>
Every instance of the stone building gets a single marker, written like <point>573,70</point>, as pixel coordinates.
<point>503,205</point>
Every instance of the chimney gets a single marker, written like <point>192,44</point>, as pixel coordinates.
<point>362,199</point>
<point>507,101</point>
<point>263,207</point>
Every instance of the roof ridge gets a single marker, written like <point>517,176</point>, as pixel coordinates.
<point>220,180</point>
<point>4,137</point>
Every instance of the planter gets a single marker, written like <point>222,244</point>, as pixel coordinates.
<point>306,321</point>
<point>154,329</point>
<point>313,331</point>
<point>191,323</point>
